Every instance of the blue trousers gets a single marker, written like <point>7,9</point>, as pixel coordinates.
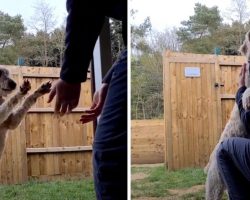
<point>110,143</point>
<point>233,158</point>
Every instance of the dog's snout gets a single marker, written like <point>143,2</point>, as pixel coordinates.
<point>12,84</point>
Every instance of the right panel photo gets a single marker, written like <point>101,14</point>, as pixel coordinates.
<point>190,102</point>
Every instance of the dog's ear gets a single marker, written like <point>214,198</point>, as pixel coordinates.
<point>243,48</point>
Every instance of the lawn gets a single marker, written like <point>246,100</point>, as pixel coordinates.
<point>155,182</point>
<point>55,190</point>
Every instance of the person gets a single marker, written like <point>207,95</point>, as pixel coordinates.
<point>84,23</point>
<point>233,154</point>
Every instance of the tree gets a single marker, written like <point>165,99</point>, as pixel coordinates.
<point>43,21</point>
<point>196,32</point>
<point>146,69</point>
<point>238,14</point>
<point>238,11</point>
<point>160,41</point>
<point>11,31</point>
<point>116,38</point>
<point>139,35</point>
<point>57,38</point>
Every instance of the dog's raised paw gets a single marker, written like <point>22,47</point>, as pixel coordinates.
<point>25,87</point>
<point>44,88</point>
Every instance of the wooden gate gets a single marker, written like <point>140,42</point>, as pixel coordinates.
<point>46,146</point>
<point>199,92</point>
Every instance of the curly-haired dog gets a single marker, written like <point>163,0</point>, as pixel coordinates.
<point>10,118</point>
<point>234,128</point>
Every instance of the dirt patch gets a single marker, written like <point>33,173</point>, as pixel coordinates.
<point>148,198</point>
<point>175,193</point>
<point>182,192</point>
<point>138,176</point>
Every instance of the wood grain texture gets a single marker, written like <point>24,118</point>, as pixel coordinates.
<point>46,145</point>
<point>195,110</point>
<point>147,141</point>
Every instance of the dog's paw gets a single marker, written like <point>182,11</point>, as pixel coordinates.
<point>44,88</point>
<point>25,87</point>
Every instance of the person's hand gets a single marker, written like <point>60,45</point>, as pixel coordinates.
<point>67,96</point>
<point>96,108</point>
<point>242,75</point>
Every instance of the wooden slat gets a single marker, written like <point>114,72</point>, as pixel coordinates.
<point>174,128</point>
<point>51,110</point>
<point>227,96</point>
<point>181,112</point>
<point>56,75</point>
<point>36,75</point>
<point>59,149</point>
<point>168,114</point>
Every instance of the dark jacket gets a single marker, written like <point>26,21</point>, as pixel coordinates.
<point>244,114</point>
<point>84,23</point>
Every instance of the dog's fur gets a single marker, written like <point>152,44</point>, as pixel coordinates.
<point>234,128</point>
<point>10,118</point>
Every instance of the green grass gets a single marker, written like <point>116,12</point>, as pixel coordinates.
<point>159,180</point>
<point>59,190</point>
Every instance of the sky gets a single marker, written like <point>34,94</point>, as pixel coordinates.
<point>169,13</point>
<point>163,13</point>
<point>26,10</point>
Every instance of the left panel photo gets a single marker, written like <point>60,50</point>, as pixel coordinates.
<point>63,100</point>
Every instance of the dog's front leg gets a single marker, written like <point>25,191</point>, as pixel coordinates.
<point>16,117</point>
<point>7,107</point>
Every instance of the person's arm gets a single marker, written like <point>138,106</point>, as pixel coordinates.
<point>84,24</point>
<point>244,114</point>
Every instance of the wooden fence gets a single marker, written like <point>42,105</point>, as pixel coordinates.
<point>147,141</point>
<point>198,103</point>
<point>46,146</point>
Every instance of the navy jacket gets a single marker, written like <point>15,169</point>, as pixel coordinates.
<point>84,23</point>
<point>244,114</point>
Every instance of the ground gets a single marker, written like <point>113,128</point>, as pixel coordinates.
<point>154,182</point>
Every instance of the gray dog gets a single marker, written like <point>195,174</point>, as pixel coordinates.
<point>10,117</point>
<point>234,128</point>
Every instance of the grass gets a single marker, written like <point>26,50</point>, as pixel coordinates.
<point>59,190</point>
<point>159,181</point>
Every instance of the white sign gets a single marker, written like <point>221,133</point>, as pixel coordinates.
<point>192,72</point>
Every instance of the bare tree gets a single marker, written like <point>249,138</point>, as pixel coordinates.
<point>238,13</point>
<point>57,38</point>
<point>43,21</point>
<point>240,10</point>
<point>160,41</point>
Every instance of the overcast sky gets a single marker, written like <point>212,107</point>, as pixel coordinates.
<point>25,8</point>
<point>169,13</point>
<point>163,13</point>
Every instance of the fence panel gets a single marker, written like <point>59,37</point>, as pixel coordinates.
<point>147,141</point>
<point>46,146</point>
<point>197,106</point>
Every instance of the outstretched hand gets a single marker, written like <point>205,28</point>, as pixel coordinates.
<point>242,75</point>
<point>96,108</point>
<point>67,96</point>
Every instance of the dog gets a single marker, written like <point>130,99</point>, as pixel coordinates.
<point>234,128</point>
<point>10,117</point>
